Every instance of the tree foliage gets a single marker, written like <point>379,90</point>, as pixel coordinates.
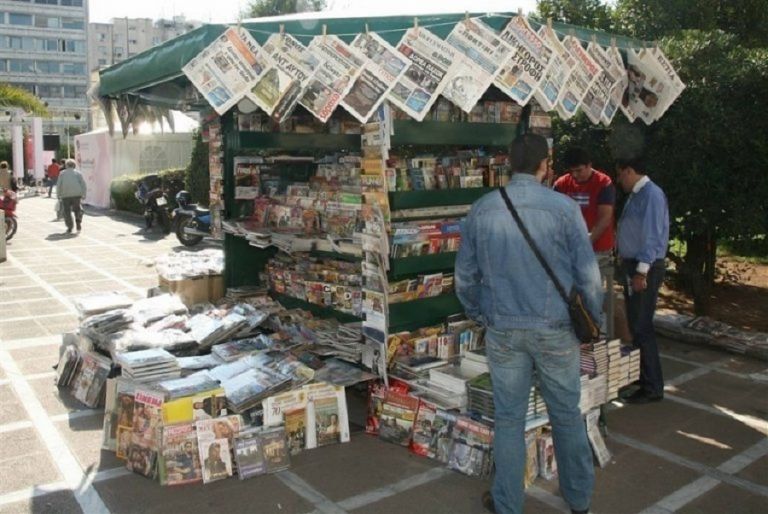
<point>11,96</point>
<point>709,151</point>
<point>197,173</point>
<point>591,14</point>
<point>262,8</point>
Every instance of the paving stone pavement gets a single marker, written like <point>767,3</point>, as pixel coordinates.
<point>704,449</point>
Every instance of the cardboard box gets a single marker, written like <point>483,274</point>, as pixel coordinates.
<point>216,289</point>
<point>192,291</point>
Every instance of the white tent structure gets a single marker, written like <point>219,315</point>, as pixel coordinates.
<point>102,157</point>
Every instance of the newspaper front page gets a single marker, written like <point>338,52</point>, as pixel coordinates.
<point>522,75</point>
<point>584,73</point>
<point>651,90</point>
<point>562,62</point>
<point>599,93</point>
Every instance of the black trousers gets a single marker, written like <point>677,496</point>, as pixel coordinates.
<point>641,307</point>
<point>72,205</point>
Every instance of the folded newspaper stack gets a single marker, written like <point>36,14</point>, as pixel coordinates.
<point>148,310</point>
<point>148,365</point>
<point>208,330</point>
<point>235,350</point>
<point>187,386</point>
<point>92,304</point>
<point>246,390</point>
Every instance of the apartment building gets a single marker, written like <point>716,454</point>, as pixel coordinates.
<point>43,49</point>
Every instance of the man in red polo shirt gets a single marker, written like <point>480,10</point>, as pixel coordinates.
<point>595,193</point>
<point>53,175</point>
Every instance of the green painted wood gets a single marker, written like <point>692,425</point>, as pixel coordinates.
<point>297,142</point>
<point>435,197</point>
<point>445,133</point>
<point>424,312</point>
<point>243,262</point>
<point>404,266</point>
<point>290,302</point>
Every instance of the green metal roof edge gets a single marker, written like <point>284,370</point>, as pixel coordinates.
<point>164,62</point>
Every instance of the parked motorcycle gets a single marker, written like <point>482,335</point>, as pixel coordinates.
<point>8,205</point>
<point>192,222</point>
<point>150,194</point>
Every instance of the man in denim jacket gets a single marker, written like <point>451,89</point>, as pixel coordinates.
<point>503,286</point>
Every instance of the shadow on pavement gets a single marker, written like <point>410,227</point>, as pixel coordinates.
<point>60,236</point>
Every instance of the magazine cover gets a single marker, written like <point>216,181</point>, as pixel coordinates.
<point>141,455</point>
<point>326,425</point>
<point>180,455</point>
<point>327,428</point>
<point>339,69</point>
<point>472,443</point>
<point>276,406</point>
<point>214,439</point>
<point>377,391</point>
<point>249,455</point>
<point>430,60</point>
<point>530,61</point>
<point>480,54</point>
<point>424,430</point>
<point>118,410</point>
<point>89,383</point>
<point>397,416</point>
<point>562,62</point>
<point>296,429</point>
<point>275,450</point>
<point>225,70</point>
<point>383,67</point>
<point>204,405</point>
<point>442,441</point>
<point>582,75</point>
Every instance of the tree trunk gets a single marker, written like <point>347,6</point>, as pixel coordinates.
<point>699,270</point>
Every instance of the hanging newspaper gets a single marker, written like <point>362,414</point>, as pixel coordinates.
<point>339,68</point>
<point>522,75</point>
<point>384,66</point>
<point>430,60</point>
<point>599,93</point>
<point>480,54</point>
<point>562,62</point>
<point>650,89</point>
<point>657,56</point>
<point>583,74</point>
<point>624,104</point>
<point>224,71</point>
<point>610,60</point>
<point>279,89</point>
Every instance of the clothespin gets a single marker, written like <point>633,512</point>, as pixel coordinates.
<point>367,33</point>
<point>519,11</point>
<point>594,38</point>
<point>549,23</point>
<point>466,16</point>
<point>282,30</point>
<point>325,31</point>
<point>613,42</point>
<point>416,24</point>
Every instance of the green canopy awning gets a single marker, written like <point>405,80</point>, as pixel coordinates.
<point>156,74</point>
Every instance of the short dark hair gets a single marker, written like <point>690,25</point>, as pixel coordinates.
<point>636,163</point>
<point>526,153</point>
<point>576,156</point>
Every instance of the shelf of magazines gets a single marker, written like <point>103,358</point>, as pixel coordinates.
<point>407,316</point>
<point>289,302</point>
<point>403,266</point>
<point>445,133</point>
<point>402,200</point>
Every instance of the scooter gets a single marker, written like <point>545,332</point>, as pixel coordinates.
<point>192,223</point>
<point>150,194</point>
<point>8,205</point>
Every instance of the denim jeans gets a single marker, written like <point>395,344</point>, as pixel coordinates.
<point>641,307</point>
<point>513,356</point>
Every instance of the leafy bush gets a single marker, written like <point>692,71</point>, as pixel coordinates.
<point>197,176</point>
<point>122,190</point>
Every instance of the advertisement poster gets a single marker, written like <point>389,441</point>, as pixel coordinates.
<point>225,70</point>
<point>384,66</point>
<point>339,68</point>
<point>562,62</point>
<point>431,58</point>
<point>281,86</point>
<point>584,72</point>
<point>480,55</point>
<point>522,75</point>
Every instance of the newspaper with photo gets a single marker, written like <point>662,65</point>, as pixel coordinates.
<point>600,91</point>
<point>383,68</point>
<point>561,65</point>
<point>431,59</point>
<point>291,65</point>
<point>651,90</point>
<point>610,60</point>
<point>180,463</point>
<point>338,69</point>
<point>224,71</point>
<point>525,71</point>
<point>656,55</point>
<point>583,74</point>
<point>479,57</point>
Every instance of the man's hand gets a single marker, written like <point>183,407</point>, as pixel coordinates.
<point>639,282</point>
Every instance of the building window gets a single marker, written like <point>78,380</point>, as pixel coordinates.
<point>21,43</point>
<point>72,3</point>
<point>47,2</point>
<point>3,65</point>
<point>48,67</point>
<point>102,37</point>
<point>50,22</point>
<point>72,23</point>
<point>156,41</point>
<point>50,45</point>
<point>21,65</point>
<point>118,50</point>
<point>49,91</point>
<point>102,49</point>
<point>20,19</point>
<point>102,62</point>
<point>133,42</point>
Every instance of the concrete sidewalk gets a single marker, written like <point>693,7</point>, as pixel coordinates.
<point>704,449</point>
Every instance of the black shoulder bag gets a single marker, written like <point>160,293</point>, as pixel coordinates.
<point>587,331</point>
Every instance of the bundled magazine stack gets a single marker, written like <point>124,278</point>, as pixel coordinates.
<point>148,365</point>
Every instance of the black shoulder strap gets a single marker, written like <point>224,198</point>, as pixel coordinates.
<point>532,244</point>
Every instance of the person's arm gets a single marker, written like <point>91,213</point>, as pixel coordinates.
<point>586,273</point>
<point>58,188</point>
<point>652,233</point>
<point>605,202</point>
<point>467,273</point>
<point>82,184</point>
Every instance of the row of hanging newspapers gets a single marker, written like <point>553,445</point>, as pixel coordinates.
<point>523,63</point>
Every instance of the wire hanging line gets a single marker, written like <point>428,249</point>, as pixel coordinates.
<point>559,32</point>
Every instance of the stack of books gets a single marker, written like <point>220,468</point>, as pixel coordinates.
<point>234,350</point>
<point>246,390</point>
<point>634,363</point>
<point>615,381</point>
<point>594,358</point>
<point>480,396</point>
<point>475,362</point>
<point>593,392</point>
<point>148,365</point>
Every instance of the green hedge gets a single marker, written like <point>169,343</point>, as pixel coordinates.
<point>122,190</point>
